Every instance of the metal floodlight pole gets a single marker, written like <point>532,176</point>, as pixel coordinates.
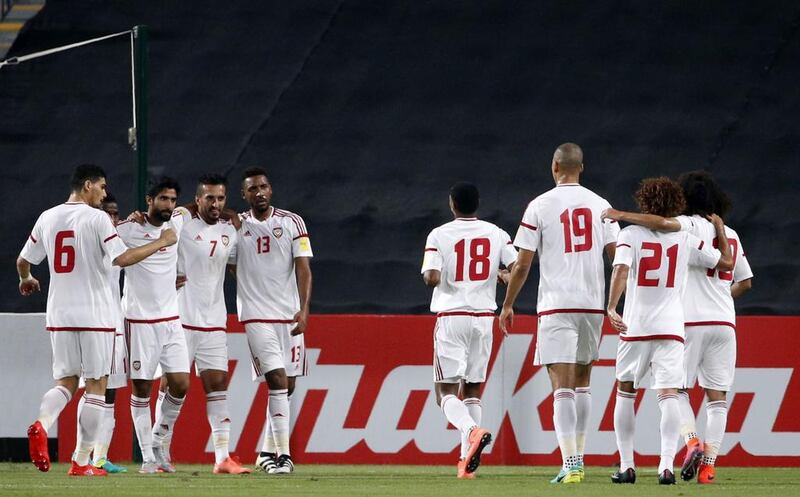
<point>139,138</point>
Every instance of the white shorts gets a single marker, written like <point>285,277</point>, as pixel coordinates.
<point>462,345</point>
<point>118,378</point>
<point>208,350</point>
<point>84,354</point>
<point>151,344</point>
<point>662,359</point>
<point>571,338</point>
<point>710,357</point>
<point>272,347</point>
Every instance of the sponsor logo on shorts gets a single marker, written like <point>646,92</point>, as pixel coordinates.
<point>278,232</point>
<point>137,365</point>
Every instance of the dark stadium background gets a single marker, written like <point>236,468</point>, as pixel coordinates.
<point>365,113</point>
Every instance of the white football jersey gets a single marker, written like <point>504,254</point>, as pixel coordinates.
<point>468,252</point>
<point>77,239</point>
<point>659,267</point>
<point>708,299</point>
<point>149,293</point>
<point>564,227</point>
<point>266,286</point>
<point>204,251</point>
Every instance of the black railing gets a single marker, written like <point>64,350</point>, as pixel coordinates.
<point>5,8</point>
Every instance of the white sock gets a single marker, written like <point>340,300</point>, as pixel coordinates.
<point>583,410</point>
<point>717,419</point>
<point>166,414</point>
<point>53,402</point>
<point>78,412</point>
<point>220,420</point>
<point>687,425</point>
<point>564,419</point>
<point>670,428</point>
<point>142,423</point>
<point>268,444</point>
<point>159,401</point>
<point>105,433</point>
<point>457,413</point>
<point>475,410</point>
<point>90,419</point>
<point>278,411</point>
<point>625,428</point>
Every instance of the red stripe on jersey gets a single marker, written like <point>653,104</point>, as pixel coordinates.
<point>298,221</point>
<point>571,311</point>
<point>268,321</point>
<point>301,236</point>
<point>466,313</point>
<point>431,249</point>
<point>648,338</point>
<point>78,328</point>
<point>623,245</point>
<point>710,323</point>
<point>110,237</point>
<point>200,328</point>
<point>151,321</point>
<point>530,227</point>
<point>35,241</point>
<point>701,245</point>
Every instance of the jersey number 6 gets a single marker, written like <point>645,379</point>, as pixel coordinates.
<point>64,260</point>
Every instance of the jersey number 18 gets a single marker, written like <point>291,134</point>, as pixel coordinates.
<point>479,249</point>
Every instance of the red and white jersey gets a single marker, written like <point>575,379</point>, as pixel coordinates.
<point>266,286</point>
<point>564,227</point>
<point>204,251</point>
<point>77,239</point>
<point>659,267</point>
<point>149,293</point>
<point>468,252</point>
<point>708,299</point>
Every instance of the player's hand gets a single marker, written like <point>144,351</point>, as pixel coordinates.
<point>28,285</point>
<point>136,217</point>
<point>231,215</point>
<point>169,237</point>
<point>716,220</point>
<point>180,281</point>
<point>612,214</point>
<point>616,321</point>
<point>503,276</point>
<point>301,318</point>
<point>506,320</point>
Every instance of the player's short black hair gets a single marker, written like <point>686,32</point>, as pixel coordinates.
<point>212,179</point>
<point>110,198</point>
<point>157,185</point>
<point>465,197</point>
<point>254,171</point>
<point>703,195</point>
<point>84,172</point>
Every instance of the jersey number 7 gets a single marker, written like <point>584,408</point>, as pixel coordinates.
<point>479,249</point>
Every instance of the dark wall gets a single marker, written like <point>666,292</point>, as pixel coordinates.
<point>365,113</point>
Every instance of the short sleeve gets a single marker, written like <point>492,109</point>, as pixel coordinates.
<point>508,253</point>
<point>180,216</point>
<point>33,250</point>
<point>688,225</point>
<point>701,253</point>
<point>528,233</point>
<point>112,244</point>
<point>234,248</point>
<point>741,269</point>
<point>624,253</point>
<point>433,256</point>
<point>301,243</point>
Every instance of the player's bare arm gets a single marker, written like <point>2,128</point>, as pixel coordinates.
<point>726,260</point>
<point>619,279</point>
<point>27,283</point>
<point>611,251</point>
<point>302,269</point>
<point>517,278</point>
<point>138,254</point>
<point>431,277</point>
<point>741,287</point>
<point>650,221</point>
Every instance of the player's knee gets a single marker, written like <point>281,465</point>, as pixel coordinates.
<point>277,379</point>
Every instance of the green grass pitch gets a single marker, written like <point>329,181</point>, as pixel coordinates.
<point>18,480</point>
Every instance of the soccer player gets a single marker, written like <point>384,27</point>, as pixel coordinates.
<point>206,245</point>
<point>273,294</point>
<point>152,325</point>
<point>563,225</point>
<point>710,318</point>
<point>462,264</point>
<point>652,268</point>
<point>119,365</point>
<point>76,237</point>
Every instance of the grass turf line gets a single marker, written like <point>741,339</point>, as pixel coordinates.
<point>23,479</point>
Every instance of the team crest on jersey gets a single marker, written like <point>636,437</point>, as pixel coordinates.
<point>278,232</point>
<point>225,240</point>
<point>137,365</point>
